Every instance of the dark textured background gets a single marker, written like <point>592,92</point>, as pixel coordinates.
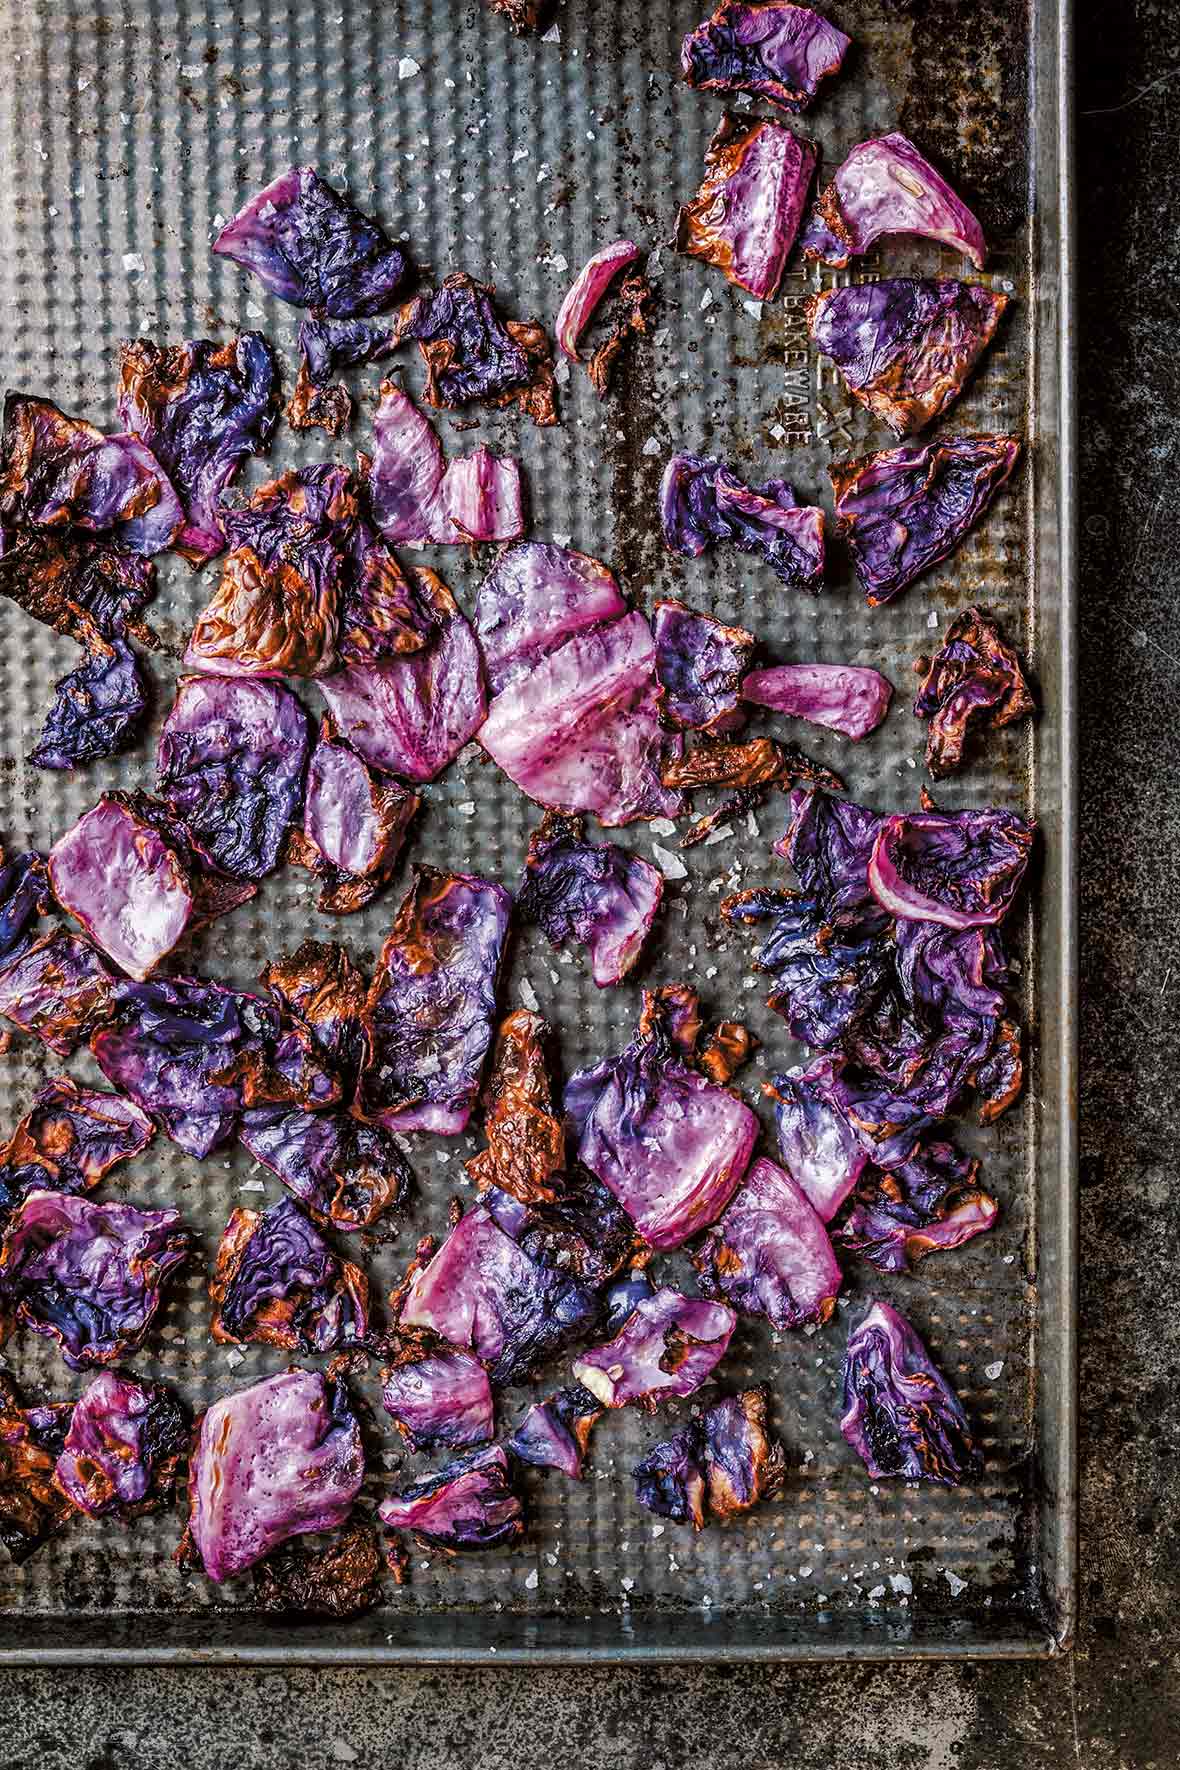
<point>1116,1702</point>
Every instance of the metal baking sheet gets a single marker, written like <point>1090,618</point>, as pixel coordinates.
<point>131,128</point>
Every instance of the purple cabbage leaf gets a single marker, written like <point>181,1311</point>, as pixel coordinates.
<point>773,49</point>
<point>843,697</point>
<point>700,663</point>
<point>593,894</point>
<point>975,682</point>
<point>901,1415</point>
<point>125,1441</point>
<point>201,408</point>
<point>273,1461</point>
<point>703,501</point>
<point>770,1254</point>
<point>669,1345</point>
<point>417,497</point>
<point>886,187</point>
<point>719,1465</point>
<point>746,215</point>
<point>354,826</point>
<point>98,709</point>
<point>468,1504</point>
<point>87,1275</point>
<point>276,1281</point>
<point>439,1397</point>
<point>554,1434</point>
<point>308,245</point>
<point>904,346</point>
<point>904,510</point>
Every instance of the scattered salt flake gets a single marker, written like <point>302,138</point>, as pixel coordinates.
<point>253,311</point>
<point>528,995</point>
<point>1008,1259</point>
<point>83,83</point>
<point>706,299</point>
<point>467,807</point>
<point>552,35</point>
<point>252,1186</point>
<point>669,864</point>
<point>808,1456</point>
<point>343,1752</point>
<point>752,829</point>
<point>662,826</point>
<point>234,1358</point>
<point>133,261</point>
<point>877,1592</point>
<point>563,540</point>
<point>657,1529</point>
<point>561,372</point>
<point>992,1371</point>
<point>449,84</point>
<point>753,307</point>
<point>628,1585</point>
<point>956,1584</point>
<point>777,431</point>
<point>901,1582</point>
<point>522,153</point>
<point>660,338</point>
<point>552,1559</point>
<point>443,1156</point>
<point>407,67</point>
<point>651,446</point>
<point>531,1581</point>
<point>721,834</point>
<point>932,618</point>
<point>545,172</point>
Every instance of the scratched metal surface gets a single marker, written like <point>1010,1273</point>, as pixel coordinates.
<point>132,128</point>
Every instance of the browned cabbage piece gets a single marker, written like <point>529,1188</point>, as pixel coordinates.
<point>526,1140</point>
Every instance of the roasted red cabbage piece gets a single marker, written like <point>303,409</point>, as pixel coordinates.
<point>125,882</point>
<point>746,215</point>
<point>308,245</point>
<point>526,1140</point>
<point>770,48</point>
<point>340,1580</point>
<point>958,868</point>
<point>472,354</point>
<point>484,1294</point>
<point>468,1504</point>
<point>721,1464</point>
<point>901,1415</point>
<point>584,294</point>
<point>671,1145</point>
<point>195,1055</point>
<point>818,1146</point>
<point>87,1275</point>
<point>583,1231</point>
<point>918,1009</point>
<point>554,1434</point>
<point>354,826</point>
<point>201,408</point>
<point>770,1254</point>
<point>581,731</point>
<point>594,894</point>
<point>89,590</point>
<point>70,1139</point>
<point>24,899</point>
<point>700,663</point>
<point>886,187</point>
<point>431,1010</point>
<point>97,711</point>
<point>843,697</point>
<point>32,1506</point>
<point>703,501</point>
<point>904,346</point>
<point>417,497</point>
<point>412,715</point>
<point>536,596</point>
<point>975,682</point>
<point>125,1440</point>
<point>60,472</point>
<point>343,1170</point>
<point>274,1461</point>
<point>230,764</point>
<point>319,986</point>
<point>668,1345</point>
<point>308,584</point>
<point>904,510</point>
<point>626,314</point>
<point>927,1203</point>
<point>276,1281</point>
<point>439,1397</point>
<point>327,344</point>
<point>58,989</point>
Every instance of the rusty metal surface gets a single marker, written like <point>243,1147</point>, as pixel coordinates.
<point>133,127</point>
